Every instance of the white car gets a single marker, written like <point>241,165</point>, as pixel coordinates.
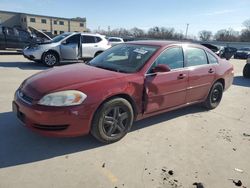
<point>67,47</point>
<point>115,40</point>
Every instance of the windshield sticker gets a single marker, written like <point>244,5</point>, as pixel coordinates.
<point>140,51</point>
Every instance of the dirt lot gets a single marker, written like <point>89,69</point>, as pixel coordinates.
<point>195,144</point>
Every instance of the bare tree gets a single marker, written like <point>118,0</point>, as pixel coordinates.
<point>205,35</point>
<point>136,32</point>
<point>227,35</point>
<point>246,23</point>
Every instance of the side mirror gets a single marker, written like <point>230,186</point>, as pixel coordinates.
<point>64,42</point>
<point>161,68</point>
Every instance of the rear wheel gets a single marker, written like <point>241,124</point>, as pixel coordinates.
<point>214,97</point>
<point>50,59</point>
<point>246,71</point>
<point>112,120</point>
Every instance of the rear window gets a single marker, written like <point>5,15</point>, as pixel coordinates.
<point>88,39</point>
<point>98,39</point>
<point>114,40</point>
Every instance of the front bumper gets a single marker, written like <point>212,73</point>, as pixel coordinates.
<point>32,54</point>
<point>54,121</point>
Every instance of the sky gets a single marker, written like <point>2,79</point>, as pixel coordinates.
<point>210,15</point>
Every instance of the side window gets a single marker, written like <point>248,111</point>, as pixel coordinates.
<point>172,57</point>
<point>73,40</point>
<point>196,56</point>
<point>88,39</point>
<point>98,39</point>
<point>212,59</point>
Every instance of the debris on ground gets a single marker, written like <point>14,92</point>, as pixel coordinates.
<point>237,183</point>
<point>234,149</point>
<point>171,172</point>
<point>198,185</point>
<point>164,170</point>
<point>103,165</point>
<point>245,134</point>
<point>238,170</point>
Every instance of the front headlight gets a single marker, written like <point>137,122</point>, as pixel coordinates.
<point>63,98</point>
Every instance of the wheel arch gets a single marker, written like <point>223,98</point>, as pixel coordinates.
<point>52,51</point>
<point>98,52</point>
<point>123,96</point>
<point>222,81</point>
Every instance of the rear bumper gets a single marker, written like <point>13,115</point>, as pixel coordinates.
<point>56,122</point>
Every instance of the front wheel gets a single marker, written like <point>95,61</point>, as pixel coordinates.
<point>214,97</point>
<point>50,59</point>
<point>112,120</point>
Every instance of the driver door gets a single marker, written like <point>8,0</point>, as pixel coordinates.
<point>167,89</point>
<point>71,48</point>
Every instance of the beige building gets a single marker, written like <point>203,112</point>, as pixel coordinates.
<point>55,25</point>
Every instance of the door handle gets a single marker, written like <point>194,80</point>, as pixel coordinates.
<point>96,46</point>
<point>211,71</point>
<point>181,76</point>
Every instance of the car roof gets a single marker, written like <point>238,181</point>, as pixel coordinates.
<point>93,34</point>
<point>164,43</point>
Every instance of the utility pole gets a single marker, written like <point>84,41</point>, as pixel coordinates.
<point>187,30</point>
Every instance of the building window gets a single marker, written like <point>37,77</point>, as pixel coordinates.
<point>24,20</point>
<point>44,21</point>
<point>32,19</point>
<point>55,22</point>
<point>61,32</point>
<point>61,22</point>
<point>55,32</point>
<point>81,24</point>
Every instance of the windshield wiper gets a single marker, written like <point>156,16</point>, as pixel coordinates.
<point>109,68</point>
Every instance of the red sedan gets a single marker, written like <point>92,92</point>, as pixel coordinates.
<point>128,82</point>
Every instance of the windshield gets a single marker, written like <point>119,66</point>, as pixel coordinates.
<point>60,37</point>
<point>127,58</point>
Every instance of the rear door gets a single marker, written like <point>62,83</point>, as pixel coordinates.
<point>201,73</point>
<point>71,48</point>
<point>12,38</point>
<point>89,46</point>
<point>166,90</point>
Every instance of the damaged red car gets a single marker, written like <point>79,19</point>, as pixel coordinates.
<point>128,82</point>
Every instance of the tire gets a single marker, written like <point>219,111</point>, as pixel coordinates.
<point>246,71</point>
<point>214,97</point>
<point>97,53</point>
<point>112,120</point>
<point>50,59</point>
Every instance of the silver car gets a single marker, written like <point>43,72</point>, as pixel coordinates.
<point>67,47</point>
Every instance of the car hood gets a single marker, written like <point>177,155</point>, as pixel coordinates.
<point>64,78</point>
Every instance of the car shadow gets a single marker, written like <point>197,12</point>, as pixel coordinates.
<point>18,145</point>
<point>241,81</point>
<point>23,65</point>
<point>29,65</point>
<point>167,116</point>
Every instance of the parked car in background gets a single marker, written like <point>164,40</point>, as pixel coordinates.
<point>67,47</point>
<point>18,38</point>
<point>246,69</point>
<point>127,82</point>
<point>242,53</point>
<point>115,40</point>
<point>222,51</point>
